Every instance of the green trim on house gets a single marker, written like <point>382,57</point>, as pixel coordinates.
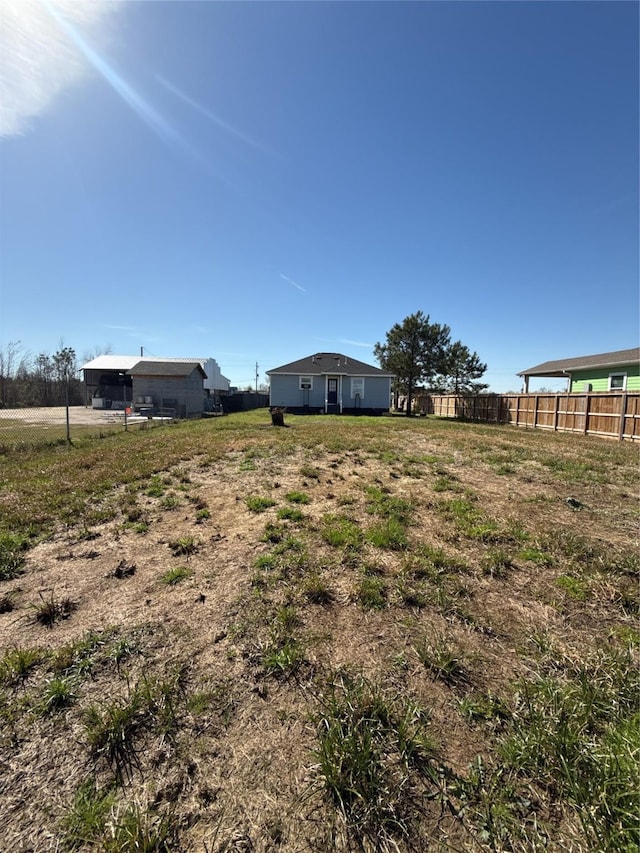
<point>598,378</point>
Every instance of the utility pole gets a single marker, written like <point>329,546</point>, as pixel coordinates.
<point>256,377</point>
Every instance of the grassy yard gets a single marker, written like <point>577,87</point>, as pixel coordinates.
<point>351,634</point>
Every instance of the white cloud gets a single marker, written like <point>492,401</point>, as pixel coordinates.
<point>38,60</point>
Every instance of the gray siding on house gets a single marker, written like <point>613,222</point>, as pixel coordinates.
<point>360,387</point>
<point>377,393</point>
<point>286,391</point>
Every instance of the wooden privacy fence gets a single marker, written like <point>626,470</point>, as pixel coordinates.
<point>609,415</point>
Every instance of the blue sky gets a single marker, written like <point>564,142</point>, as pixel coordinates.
<point>259,181</point>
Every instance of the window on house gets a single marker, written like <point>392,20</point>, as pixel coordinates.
<point>357,387</point>
<point>617,381</point>
<point>306,383</point>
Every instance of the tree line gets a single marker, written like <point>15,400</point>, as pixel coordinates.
<point>39,380</point>
<point>421,355</point>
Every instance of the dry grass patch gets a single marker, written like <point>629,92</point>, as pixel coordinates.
<point>418,594</point>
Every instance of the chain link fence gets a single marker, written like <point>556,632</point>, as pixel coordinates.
<point>32,427</point>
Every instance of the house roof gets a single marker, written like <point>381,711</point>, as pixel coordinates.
<point>322,363</point>
<point>569,365</point>
<point>166,368</point>
<point>112,362</point>
<point>127,363</point>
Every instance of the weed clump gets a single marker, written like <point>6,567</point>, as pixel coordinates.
<point>371,593</point>
<point>298,497</point>
<point>258,504</point>
<point>184,546</point>
<point>341,532</point>
<point>16,664</point>
<point>374,755</point>
<point>577,734</point>
<point>11,556</point>
<point>316,589</point>
<point>51,610</point>
<point>58,694</point>
<point>443,660</point>
<point>176,575</point>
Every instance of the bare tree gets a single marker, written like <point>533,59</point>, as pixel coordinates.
<point>9,356</point>
<point>90,354</point>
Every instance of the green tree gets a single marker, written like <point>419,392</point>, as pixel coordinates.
<point>460,371</point>
<point>415,351</point>
<point>64,364</point>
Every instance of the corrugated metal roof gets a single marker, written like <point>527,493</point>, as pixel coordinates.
<point>566,365</point>
<point>126,363</point>
<point>334,363</point>
<point>112,362</point>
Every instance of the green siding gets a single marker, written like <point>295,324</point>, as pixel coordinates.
<point>599,378</point>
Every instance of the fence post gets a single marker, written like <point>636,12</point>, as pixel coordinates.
<point>623,415</point>
<point>586,414</point>
<point>66,406</point>
<point>555,414</point>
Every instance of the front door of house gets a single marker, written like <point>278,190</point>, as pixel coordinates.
<point>332,394</point>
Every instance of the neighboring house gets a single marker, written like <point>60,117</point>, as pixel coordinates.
<point>107,380</point>
<point>608,371</point>
<point>152,383</point>
<point>215,383</point>
<point>330,382</point>
<point>171,385</point>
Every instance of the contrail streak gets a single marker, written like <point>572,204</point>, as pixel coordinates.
<point>211,115</point>
<point>294,283</point>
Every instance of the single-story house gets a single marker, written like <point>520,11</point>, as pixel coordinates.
<point>607,371</point>
<point>148,384</point>
<point>171,385</point>
<point>332,383</point>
